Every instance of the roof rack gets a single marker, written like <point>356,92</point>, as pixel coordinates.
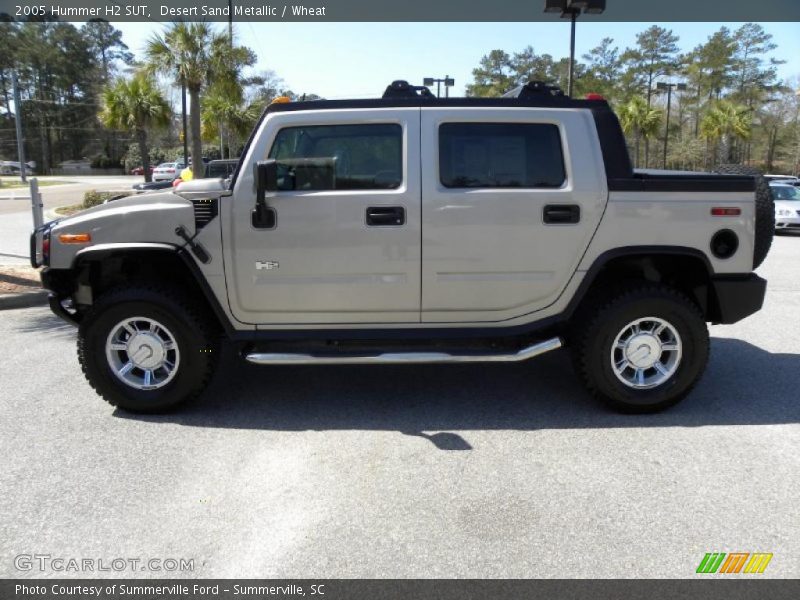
<point>534,89</point>
<point>533,94</point>
<point>403,89</point>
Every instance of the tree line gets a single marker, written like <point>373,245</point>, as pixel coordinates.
<point>85,95</point>
<point>734,107</point>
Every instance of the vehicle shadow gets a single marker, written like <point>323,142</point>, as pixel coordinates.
<point>44,321</point>
<point>744,385</point>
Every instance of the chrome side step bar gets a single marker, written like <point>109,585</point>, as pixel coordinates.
<point>404,358</point>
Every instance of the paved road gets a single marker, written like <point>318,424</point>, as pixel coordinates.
<point>16,220</point>
<point>491,471</point>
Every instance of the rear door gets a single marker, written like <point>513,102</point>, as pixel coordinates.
<point>345,247</point>
<point>511,198</point>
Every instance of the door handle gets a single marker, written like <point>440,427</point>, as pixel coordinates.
<point>561,213</point>
<point>386,216</point>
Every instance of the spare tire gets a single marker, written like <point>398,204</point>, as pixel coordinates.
<point>765,210</point>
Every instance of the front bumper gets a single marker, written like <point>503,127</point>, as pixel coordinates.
<point>58,308</point>
<point>36,249</point>
<point>787,222</point>
<point>737,297</point>
<point>58,281</point>
<point>60,284</point>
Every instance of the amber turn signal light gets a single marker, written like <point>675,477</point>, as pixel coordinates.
<point>75,238</point>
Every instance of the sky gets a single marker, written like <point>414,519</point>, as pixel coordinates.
<point>346,60</point>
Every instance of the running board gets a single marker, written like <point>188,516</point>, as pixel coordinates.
<point>404,358</point>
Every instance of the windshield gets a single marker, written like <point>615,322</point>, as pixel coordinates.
<point>785,192</point>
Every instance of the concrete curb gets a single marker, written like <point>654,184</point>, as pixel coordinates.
<point>23,299</point>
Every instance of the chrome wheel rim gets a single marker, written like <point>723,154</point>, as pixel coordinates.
<point>142,353</point>
<point>646,353</point>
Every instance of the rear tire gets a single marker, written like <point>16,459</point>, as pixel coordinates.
<point>643,349</point>
<point>147,349</point>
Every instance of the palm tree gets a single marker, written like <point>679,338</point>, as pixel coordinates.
<point>227,118</point>
<point>640,120</point>
<point>724,122</point>
<point>195,55</point>
<point>226,115</point>
<point>135,105</point>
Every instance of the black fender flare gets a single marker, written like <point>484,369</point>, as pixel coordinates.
<point>101,251</point>
<point>718,303</point>
<point>608,256</point>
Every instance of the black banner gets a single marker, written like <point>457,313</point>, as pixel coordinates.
<point>712,588</point>
<point>392,10</point>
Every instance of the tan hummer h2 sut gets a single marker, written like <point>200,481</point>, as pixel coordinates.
<point>411,229</point>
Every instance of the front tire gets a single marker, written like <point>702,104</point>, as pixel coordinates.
<point>643,349</point>
<point>147,350</point>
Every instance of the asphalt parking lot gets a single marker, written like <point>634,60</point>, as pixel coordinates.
<point>440,471</point>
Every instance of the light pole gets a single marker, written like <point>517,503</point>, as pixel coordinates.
<point>447,81</point>
<point>571,9</point>
<point>230,23</point>
<point>183,118</point>
<point>661,86</point>
<point>18,124</point>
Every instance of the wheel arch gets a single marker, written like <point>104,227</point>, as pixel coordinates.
<point>684,268</point>
<point>103,266</point>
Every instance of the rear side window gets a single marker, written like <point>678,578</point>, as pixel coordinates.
<point>339,157</point>
<point>500,155</point>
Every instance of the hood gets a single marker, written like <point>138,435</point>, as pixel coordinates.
<point>133,202</point>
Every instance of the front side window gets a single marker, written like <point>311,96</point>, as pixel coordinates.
<point>500,155</point>
<point>339,157</point>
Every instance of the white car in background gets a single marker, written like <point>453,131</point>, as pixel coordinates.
<point>790,179</point>
<point>787,206</point>
<point>10,167</point>
<point>168,171</point>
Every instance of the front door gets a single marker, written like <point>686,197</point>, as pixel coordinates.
<point>345,243</point>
